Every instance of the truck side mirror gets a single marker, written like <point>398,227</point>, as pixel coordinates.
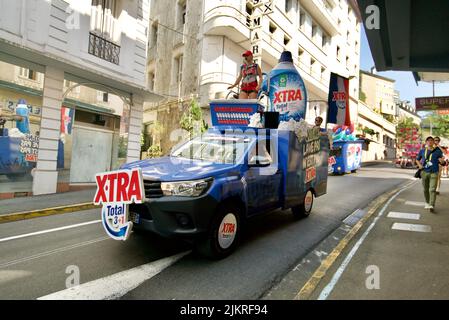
<point>259,162</point>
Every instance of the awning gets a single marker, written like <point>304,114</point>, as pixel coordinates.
<point>413,35</point>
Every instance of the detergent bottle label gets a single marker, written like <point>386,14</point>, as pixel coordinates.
<point>288,95</point>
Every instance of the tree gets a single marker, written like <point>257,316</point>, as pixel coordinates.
<point>192,121</point>
<point>440,125</point>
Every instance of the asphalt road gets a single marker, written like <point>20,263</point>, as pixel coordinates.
<point>36,265</point>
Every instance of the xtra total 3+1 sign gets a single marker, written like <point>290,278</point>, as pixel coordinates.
<point>115,191</point>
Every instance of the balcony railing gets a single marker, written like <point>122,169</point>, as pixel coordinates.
<point>104,49</point>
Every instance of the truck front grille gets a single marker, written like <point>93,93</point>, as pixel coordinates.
<point>152,189</point>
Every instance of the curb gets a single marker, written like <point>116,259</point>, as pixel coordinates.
<point>310,286</point>
<point>17,216</point>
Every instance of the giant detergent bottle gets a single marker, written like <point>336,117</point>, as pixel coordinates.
<point>22,110</point>
<point>287,92</point>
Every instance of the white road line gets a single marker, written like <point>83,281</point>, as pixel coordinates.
<point>116,285</point>
<point>411,227</point>
<point>50,252</point>
<point>49,231</point>
<point>331,285</point>
<point>404,215</point>
<point>415,203</point>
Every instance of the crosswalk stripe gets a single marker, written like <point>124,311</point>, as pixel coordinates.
<point>415,203</point>
<point>116,285</point>
<point>404,215</point>
<point>411,227</point>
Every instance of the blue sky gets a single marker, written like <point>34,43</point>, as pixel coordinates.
<point>405,82</point>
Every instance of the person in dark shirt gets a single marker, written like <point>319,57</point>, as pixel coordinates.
<point>429,160</point>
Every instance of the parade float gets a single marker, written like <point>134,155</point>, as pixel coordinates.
<point>256,158</point>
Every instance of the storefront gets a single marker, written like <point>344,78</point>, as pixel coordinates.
<point>93,133</point>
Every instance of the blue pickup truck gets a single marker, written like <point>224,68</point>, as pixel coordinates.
<point>209,186</point>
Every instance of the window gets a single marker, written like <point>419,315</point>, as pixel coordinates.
<point>178,69</point>
<point>302,20</point>
<point>347,62</point>
<point>323,73</point>
<point>273,28</point>
<point>338,53</point>
<point>348,35</point>
<point>314,30</point>
<point>105,97</point>
<point>286,40</point>
<point>28,73</point>
<point>103,16</point>
<point>154,31</point>
<point>181,13</point>
<point>151,81</point>
<point>288,5</point>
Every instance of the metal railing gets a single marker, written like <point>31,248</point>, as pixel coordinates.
<point>104,49</point>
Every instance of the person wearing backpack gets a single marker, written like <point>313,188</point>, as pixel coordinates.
<point>428,161</point>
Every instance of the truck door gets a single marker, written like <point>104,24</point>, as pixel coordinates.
<point>263,179</point>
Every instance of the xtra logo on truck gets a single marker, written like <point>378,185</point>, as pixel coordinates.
<point>115,191</point>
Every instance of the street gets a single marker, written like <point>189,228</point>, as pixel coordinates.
<point>37,256</point>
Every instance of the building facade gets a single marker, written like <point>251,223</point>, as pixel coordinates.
<point>79,67</point>
<point>378,114</point>
<point>196,49</point>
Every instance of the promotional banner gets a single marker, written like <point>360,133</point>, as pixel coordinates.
<point>338,100</point>
<point>115,191</point>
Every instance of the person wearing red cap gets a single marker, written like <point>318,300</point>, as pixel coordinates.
<point>249,73</point>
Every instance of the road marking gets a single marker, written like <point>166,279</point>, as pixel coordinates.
<point>48,253</point>
<point>415,203</point>
<point>116,285</point>
<point>331,285</point>
<point>411,227</point>
<point>49,231</point>
<point>319,273</point>
<point>404,215</point>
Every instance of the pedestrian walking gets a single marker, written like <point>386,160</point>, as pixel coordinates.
<point>440,172</point>
<point>428,161</point>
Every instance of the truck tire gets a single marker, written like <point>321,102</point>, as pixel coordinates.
<point>224,233</point>
<point>304,209</point>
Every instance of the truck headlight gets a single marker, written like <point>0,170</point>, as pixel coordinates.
<point>186,188</point>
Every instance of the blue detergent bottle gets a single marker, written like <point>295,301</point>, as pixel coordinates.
<point>287,92</point>
<point>22,110</point>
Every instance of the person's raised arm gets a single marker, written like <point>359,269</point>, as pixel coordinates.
<point>237,82</point>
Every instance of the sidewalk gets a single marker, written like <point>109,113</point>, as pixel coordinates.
<point>47,201</point>
<point>405,251</point>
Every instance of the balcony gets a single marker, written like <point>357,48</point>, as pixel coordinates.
<point>104,49</point>
<point>367,113</point>
<point>227,20</point>
<point>322,13</point>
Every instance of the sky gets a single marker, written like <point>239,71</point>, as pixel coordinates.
<point>405,82</point>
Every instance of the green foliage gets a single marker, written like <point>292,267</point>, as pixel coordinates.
<point>192,121</point>
<point>362,96</point>
<point>155,151</point>
<point>440,125</point>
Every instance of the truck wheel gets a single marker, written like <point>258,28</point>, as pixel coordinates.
<point>304,209</point>
<point>354,171</point>
<point>223,235</point>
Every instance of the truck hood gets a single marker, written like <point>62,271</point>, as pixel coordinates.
<point>179,169</point>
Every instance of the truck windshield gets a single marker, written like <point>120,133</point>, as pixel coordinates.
<point>215,149</point>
